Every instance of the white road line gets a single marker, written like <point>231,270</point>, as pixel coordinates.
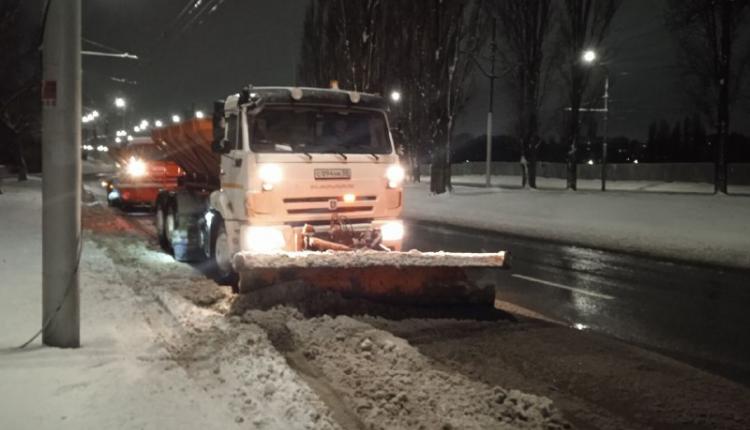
<point>564,287</point>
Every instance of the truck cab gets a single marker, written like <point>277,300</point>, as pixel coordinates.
<point>299,169</point>
<point>301,163</point>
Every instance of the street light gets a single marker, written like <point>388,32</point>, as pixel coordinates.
<point>137,129</point>
<point>199,114</point>
<point>95,114</point>
<point>590,58</point>
<point>396,96</point>
<point>120,103</point>
<point>158,123</point>
<point>175,119</point>
<point>144,124</point>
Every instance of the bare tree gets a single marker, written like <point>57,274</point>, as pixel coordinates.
<point>19,84</point>
<point>525,27</point>
<point>585,23</point>
<point>419,46</point>
<point>708,32</point>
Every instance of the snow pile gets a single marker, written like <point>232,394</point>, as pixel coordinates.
<point>338,259</point>
<point>241,366</point>
<point>708,229</point>
<point>389,384</point>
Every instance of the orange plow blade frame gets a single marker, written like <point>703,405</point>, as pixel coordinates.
<point>413,278</point>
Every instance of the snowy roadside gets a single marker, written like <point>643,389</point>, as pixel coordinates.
<point>137,367</point>
<point>121,377</point>
<point>699,228</point>
<point>543,183</point>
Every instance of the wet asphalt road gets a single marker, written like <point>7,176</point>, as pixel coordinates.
<point>700,315</point>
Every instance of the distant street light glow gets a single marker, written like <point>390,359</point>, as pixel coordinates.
<point>175,119</point>
<point>95,114</point>
<point>136,129</point>
<point>130,138</point>
<point>118,140</point>
<point>591,162</point>
<point>120,103</point>
<point>199,114</point>
<point>396,96</point>
<point>589,56</point>
<point>144,124</point>
<point>158,123</point>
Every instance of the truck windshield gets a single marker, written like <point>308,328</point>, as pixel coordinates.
<point>320,131</point>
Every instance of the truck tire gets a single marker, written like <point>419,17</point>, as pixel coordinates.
<point>164,225</point>
<point>221,258</point>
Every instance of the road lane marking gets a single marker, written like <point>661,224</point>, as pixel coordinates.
<point>564,287</point>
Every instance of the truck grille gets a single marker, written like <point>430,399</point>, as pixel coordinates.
<point>318,211</point>
<point>327,199</point>
<point>320,205</point>
<point>327,222</point>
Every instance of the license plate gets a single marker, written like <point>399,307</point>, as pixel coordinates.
<point>333,173</point>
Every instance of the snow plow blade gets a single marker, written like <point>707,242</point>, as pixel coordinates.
<point>412,278</point>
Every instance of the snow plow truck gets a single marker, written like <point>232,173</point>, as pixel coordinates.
<point>304,185</point>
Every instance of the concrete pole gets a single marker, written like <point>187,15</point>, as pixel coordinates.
<point>61,186</point>
<point>606,130</point>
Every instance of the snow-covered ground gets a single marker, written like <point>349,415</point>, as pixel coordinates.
<point>151,358</point>
<point>595,184</point>
<point>701,228</point>
<point>120,378</point>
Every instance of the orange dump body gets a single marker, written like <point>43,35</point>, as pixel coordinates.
<point>188,144</point>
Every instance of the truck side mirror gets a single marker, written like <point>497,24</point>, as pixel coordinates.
<point>219,144</point>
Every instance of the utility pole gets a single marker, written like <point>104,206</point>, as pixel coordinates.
<point>61,185</point>
<point>720,181</point>
<point>492,77</point>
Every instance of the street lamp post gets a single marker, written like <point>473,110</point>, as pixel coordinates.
<point>121,105</point>
<point>488,161</point>
<point>491,75</point>
<point>589,57</point>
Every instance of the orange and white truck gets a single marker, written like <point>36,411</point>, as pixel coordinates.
<point>144,171</point>
<point>300,183</point>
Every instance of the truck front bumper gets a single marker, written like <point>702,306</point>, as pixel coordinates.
<point>292,238</point>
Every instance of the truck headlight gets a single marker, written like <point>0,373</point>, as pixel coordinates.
<point>392,231</point>
<point>395,175</point>
<point>263,239</point>
<point>136,168</point>
<point>269,175</point>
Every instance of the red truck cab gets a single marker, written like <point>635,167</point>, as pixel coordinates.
<point>144,171</point>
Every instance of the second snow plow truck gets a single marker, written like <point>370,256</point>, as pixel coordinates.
<point>304,184</point>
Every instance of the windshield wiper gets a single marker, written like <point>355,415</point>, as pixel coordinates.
<point>333,151</point>
<point>375,156</point>
<point>310,157</point>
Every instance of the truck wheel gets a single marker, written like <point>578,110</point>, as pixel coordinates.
<point>161,227</point>
<point>221,257</point>
<point>170,222</point>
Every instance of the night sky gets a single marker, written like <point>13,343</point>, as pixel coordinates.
<point>252,41</point>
